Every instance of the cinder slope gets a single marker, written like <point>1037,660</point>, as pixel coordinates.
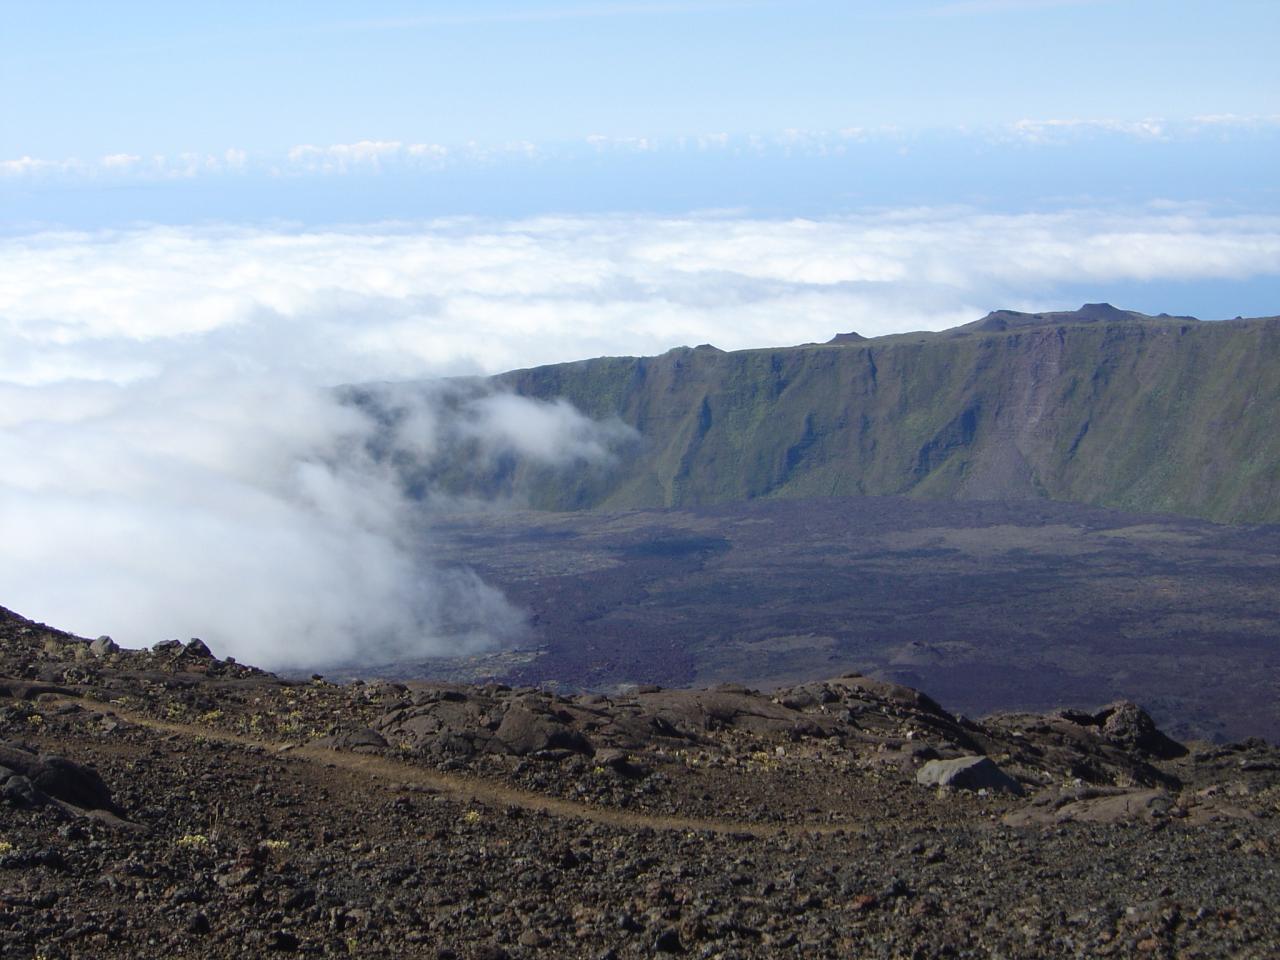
<point>235,814</point>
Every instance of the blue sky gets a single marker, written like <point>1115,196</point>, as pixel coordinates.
<point>90,79</point>
<point>159,112</point>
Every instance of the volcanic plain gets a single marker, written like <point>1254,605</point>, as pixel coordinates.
<point>1029,605</point>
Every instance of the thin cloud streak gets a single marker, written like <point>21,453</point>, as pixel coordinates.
<point>372,157</point>
<point>963,8</point>
<point>550,14</point>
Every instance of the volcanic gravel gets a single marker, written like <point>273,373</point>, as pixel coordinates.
<point>165,803</point>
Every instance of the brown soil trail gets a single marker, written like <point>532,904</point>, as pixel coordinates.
<point>465,789</point>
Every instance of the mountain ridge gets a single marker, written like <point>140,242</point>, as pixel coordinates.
<point>1099,406</point>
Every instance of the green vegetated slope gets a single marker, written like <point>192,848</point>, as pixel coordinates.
<point>1098,406</point>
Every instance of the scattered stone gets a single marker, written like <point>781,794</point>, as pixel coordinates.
<point>198,924</point>
<point>21,792</point>
<point>283,941</point>
<point>668,941</point>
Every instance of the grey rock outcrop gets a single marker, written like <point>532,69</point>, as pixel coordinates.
<point>968,773</point>
<point>1128,725</point>
<point>362,740</point>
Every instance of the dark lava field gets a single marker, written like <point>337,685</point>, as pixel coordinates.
<point>987,605</point>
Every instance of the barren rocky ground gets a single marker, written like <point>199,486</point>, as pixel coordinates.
<point>164,803</point>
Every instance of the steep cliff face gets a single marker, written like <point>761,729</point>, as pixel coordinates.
<point>1163,414</point>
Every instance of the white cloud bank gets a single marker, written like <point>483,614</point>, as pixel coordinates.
<point>461,296</point>
<point>175,466</point>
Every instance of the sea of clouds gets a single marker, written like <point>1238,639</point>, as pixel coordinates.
<point>176,462</point>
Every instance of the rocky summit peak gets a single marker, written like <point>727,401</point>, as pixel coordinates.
<point>850,337</point>
<point>1000,320</point>
<point>1104,311</point>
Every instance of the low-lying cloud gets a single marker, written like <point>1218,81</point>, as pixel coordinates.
<point>178,464</point>
<point>255,514</point>
<point>474,296</point>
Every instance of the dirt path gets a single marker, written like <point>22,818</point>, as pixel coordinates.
<point>467,789</point>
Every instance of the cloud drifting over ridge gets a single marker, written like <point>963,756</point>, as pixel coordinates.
<point>251,512</point>
<point>176,464</point>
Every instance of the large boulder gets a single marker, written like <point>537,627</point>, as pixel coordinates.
<point>104,646</point>
<point>197,649</point>
<point>720,708</point>
<point>968,773</point>
<point>72,782</point>
<point>35,776</point>
<point>523,731</point>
